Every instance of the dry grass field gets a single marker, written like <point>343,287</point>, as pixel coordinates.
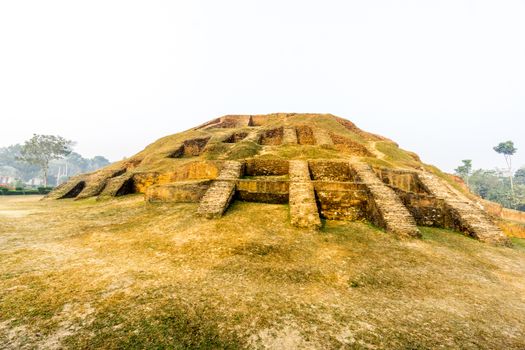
<point>125,274</point>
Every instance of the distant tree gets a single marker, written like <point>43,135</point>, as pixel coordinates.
<point>507,149</point>
<point>98,162</point>
<point>491,185</point>
<point>41,149</point>
<point>7,170</point>
<point>9,156</point>
<point>74,163</point>
<point>77,163</point>
<point>465,170</point>
<point>19,184</point>
<point>519,176</point>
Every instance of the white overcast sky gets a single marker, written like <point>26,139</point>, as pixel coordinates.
<point>445,79</point>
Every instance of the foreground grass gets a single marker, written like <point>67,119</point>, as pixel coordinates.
<point>128,274</point>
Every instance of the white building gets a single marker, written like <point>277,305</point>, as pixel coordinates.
<point>7,180</point>
<point>36,181</point>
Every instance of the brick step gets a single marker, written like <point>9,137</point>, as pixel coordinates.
<point>299,171</point>
<point>254,136</point>
<point>474,221</point>
<point>217,199</point>
<point>391,214</point>
<point>322,138</point>
<point>231,170</point>
<point>289,136</point>
<point>220,193</point>
<point>303,206</point>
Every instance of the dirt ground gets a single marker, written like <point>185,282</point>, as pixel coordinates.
<point>128,274</point>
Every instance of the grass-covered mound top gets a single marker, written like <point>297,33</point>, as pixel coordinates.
<point>198,153</point>
<point>130,274</point>
<point>226,138</point>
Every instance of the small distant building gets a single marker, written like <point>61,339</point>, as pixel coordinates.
<point>6,180</point>
<point>8,175</point>
<point>36,181</point>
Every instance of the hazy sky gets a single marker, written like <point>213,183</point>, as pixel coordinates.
<point>445,79</point>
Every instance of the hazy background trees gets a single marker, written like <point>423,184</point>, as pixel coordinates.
<point>40,150</point>
<point>502,186</point>
<point>464,171</point>
<point>59,170</point>
<point>507,149</point>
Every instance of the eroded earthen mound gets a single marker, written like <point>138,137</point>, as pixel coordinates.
<point>323,166</point>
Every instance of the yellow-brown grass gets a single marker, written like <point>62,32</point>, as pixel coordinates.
<point>512,229</point>
<point>128,274</point>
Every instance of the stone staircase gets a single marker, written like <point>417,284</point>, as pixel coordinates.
<point>253,136</point>
<point>385,208</point>
<point>218,197</point>
<point>289,136</point>
<point>322,138</point>
<point>303,207</point>
<point>466,216</point>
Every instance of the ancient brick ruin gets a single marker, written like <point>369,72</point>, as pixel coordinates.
<point>236,158</point>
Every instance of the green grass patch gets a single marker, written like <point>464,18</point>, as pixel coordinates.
<point>519,243</point>
<point>243,150</point>
<point>395,154</point>
<point>305,152</point>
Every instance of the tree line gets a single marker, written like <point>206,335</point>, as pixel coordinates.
<point>48,157</point>
<point>503,186</point>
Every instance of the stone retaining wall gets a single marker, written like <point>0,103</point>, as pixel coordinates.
<point>427,210</point>
<point>347,145</point>
<point>322,170</point>
<point>497,210</point>
<point>341,200</point>
<point>305,135</point>
<point>273,137</point>
<point>179,192</point>
<point>259,120</point>
<point>261,191</point>
<point>190,148</point>
<point>404,180</point>
<point>266,167</point>
<point>235,137</point>
<point>322,138</point>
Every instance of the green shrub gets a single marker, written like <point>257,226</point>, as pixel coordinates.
<point>14,193</point>
<point>44,190</point>
<point>19,192</point>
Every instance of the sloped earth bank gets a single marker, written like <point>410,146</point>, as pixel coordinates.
<point>128,274</point>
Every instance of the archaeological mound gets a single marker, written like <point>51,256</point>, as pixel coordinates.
<point>320,165</point>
